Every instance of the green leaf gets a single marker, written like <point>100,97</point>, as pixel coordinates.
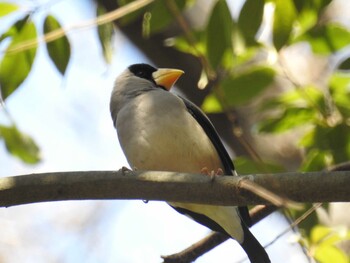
<point>284,18</point>
<point>219,33</point>
<point>316,160</point>
<point>15,67</point>
<point>59,49</point>
<point>247,166</point>
<point>325,240</point>
<point>240,88</point>
<point>319,232</point>
<point>211,104</point>
<point>105,34</point>
<point>250,18</point>
<point>327,38</point>
<point>339,86</point>
<point>20,144</point>
<point>160,15</point>
<point>345,64</point>
<point>335,140</point>
<point>291,118</point>
<point>326,254</point>
<point>182,44</point>
<point>7,8</point>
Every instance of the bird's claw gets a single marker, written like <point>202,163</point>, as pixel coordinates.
<point>125,170</point>
<point>212,174</point>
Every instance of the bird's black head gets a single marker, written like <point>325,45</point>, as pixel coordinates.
<point>143,71</point>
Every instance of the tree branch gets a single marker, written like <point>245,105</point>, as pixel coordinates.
<point>180,187</point>
<point>214,239</point>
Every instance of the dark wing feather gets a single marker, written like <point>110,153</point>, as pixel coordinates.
<point>209,129</point>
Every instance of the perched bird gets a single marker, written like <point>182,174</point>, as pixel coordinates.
<point>161,131</point>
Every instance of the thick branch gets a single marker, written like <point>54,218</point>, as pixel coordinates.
<point>171,186</point>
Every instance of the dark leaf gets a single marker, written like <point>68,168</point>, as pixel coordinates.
<point>59,49</point>
<point>345,64</point>
<point>339,88</point>
<point>239,89</point>
<point>20,144</point>
<point>15,67</point>
<point>284,18</point>
<point>161,17</point>
<point>250,18</point>
<point>219,33</point>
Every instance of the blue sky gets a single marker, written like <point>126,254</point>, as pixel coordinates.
<point>69,119</point>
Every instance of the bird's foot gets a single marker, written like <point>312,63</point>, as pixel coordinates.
<point>125,170</point>
<point>212,174</point>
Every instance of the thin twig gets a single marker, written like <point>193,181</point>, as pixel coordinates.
<point>100,20</point>
<point>273,198</point>
<point>172,7</point>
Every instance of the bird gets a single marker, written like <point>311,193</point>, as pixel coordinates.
<point>159,130</point>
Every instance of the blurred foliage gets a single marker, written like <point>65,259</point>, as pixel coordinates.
<point>230,49</point>
<point>19,144</point>
<point>323,243</point>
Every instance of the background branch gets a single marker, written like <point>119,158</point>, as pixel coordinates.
<point>214,239</point>
<point>171,186</point>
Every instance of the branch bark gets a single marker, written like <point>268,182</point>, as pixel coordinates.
<point>180,187</point>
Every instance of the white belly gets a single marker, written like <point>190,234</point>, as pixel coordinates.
<point>165,137</point>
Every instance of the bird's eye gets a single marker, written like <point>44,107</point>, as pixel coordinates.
<point>141,74</point>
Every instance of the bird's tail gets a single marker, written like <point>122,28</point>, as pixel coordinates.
<point>256,253</point>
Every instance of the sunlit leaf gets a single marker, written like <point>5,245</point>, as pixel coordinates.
<point>105,34</point>
<point>324,240</point>
<point>291,118</point>
<point>15,67</point>
<point>20,144</point>
<point>182,44</point>
<point>7,8</point>
<point>240,88</point>
<point>219,33</point>
<point>284,18</point>
<point>211,104</point>
<point>59,49</point>
<point>326,254</point>
<point>319,233</point>
<point>250,18</point>
<point>327,38</point>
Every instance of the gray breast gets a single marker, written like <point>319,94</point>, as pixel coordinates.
<point>157,133</point>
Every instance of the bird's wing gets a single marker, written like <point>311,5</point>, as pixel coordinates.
<point>209,129</point>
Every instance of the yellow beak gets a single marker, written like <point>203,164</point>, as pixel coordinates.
<point>166,77</point>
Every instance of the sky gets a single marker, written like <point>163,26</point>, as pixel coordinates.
<point>70,121</point>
